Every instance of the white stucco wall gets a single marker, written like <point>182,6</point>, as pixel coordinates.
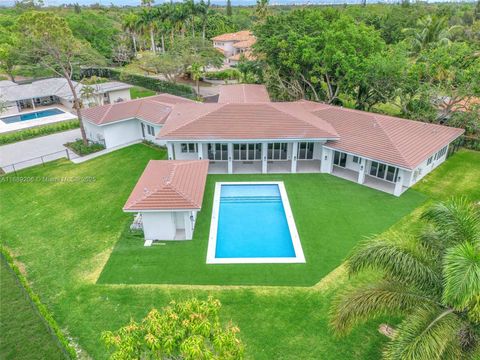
<point>116,95</point>
<point>184,156</point>
<point>94,132</point>
<point>158,225</point>
<point>423,169</point>
<point>226,46</point>
<point>122,132</point>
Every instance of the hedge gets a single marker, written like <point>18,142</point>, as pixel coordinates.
<point>228,74</point>
<point>67,347</point>
<point>140,80</point>
<point>34,132</point>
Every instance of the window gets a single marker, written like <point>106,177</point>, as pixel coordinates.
<point>151,130</point>
<point>247,151</point>
<point>356,159</point>
<point>277,151</point>
<point>218,152</point>
<point>429,161</point>
<point>440,153</point>
<point>383,171</point>
<point>188,147</point>
<point>340,159</point>
<point>305,151</point>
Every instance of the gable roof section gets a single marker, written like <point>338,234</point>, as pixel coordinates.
<point>169,185</point>
<point>243,93</point>
<point>396,141</point>
<point>153,109</point>
<point>244,121</point>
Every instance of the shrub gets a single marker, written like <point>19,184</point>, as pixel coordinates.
<point>140,80</point>
<point>37,131</point>
<point>54,328</point>
<point>79,148</point>
<point>229,74</point>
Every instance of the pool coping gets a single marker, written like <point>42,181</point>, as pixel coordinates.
<point>212,239</point>
<point>28,124</point>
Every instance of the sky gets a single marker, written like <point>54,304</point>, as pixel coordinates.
<point>217,2</point>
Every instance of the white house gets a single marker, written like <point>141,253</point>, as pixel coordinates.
<point>234,45</point>
<point>129,121</point>
<point>167,198</point>
<point>49,92</point>
<point>244,132</point>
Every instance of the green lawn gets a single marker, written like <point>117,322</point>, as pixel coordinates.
<point>331,215</point>
<point>18,317</point>
<point>139,92</point>
<point>63,234</point>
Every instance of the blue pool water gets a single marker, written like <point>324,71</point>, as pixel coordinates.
<point>252,223</point>
<point>31,116</point>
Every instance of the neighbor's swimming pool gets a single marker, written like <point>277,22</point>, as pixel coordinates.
<point>31,116</point>
<point>253,223</point>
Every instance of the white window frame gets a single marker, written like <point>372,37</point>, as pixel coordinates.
<point>186,148</point>
<point>385,171</point>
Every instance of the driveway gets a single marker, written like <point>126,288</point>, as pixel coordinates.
<point>28,152</point>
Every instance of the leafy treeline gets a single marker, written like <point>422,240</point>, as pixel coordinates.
<point>420,62</point>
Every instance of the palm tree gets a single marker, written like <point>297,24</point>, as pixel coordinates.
<point>130,25</point>
<point>191,9</point>
<point>261,11</point>
<point>431,31</point>
<point>148,23</point>
<point>433,283</point>
<point>196,73</point>
<point>203,9</point>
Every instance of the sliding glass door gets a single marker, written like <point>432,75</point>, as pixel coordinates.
<point>305,151</point>
<point>383,171</point>
<point>277,151</point>
<point>218,152</point>
<point>340,159</point>
<point>247,152</point>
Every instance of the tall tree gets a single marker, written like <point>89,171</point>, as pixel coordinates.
<point>185,330</point>
<point>434,284</point>
<point>261,10</point>
<point>130,25</point>
<point>229,8</point>
<point>147,21</point>
<point>48,41</point>
<point>203,9</point>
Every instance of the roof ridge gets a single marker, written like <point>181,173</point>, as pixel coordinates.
<point>179,192</point>
<point>194,119</point>
<point>109,107</point>
<point>392,143</point>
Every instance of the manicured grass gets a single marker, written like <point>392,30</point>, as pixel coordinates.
<point>64,233</point>
<point>139,92</point>
<point>331,215</point>
<point>23,335</point>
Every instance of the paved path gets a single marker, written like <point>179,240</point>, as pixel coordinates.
<point>34,148</point>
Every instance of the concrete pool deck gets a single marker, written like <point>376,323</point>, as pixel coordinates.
<point>20,125</point>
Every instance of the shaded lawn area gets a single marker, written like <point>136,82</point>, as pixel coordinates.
<point>140,92</point>
<point>23,334</point>
<point>63,233</point>
<point>331,214</point>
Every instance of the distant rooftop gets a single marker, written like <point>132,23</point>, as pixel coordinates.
<point>243,35</point>
<point>243,93</point>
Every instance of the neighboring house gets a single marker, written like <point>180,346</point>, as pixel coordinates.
<point>235,45</point>
<point>247,133</point>
<point>129,121</point>
<point>167,198</point>
<point>49,92</point>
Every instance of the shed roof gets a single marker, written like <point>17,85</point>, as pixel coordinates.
<point>169,185</point>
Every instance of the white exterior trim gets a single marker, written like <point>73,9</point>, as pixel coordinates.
<point>212,241</point>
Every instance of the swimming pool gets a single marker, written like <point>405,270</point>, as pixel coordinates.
<point>31,115</point>
<point>253,223</point>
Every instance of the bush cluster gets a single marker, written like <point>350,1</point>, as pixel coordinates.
<point>228,74</point>
<point>79,148</point>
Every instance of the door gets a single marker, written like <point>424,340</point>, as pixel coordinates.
<point>143,130</point>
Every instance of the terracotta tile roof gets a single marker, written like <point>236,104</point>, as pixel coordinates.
<point>169,185</point>
<point>153,109</point>
<point>245,44</point>
<point>238,36</point>
<point>396,141</point>
<point>243,93</point>
<point>244,121</point>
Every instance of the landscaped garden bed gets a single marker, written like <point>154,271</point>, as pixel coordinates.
<point>34,132</point>
<point>71,238</point>
<point>79,148</point>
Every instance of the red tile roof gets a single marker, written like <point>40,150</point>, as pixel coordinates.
<point>396,141</point>
<point>245,44</point>
<point>244,121</point>
<point>243,35</point>
<point>169,185</point>
<point>243,93</point>
<point>153,109</point>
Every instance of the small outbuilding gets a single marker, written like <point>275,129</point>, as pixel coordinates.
<point>167,198</point>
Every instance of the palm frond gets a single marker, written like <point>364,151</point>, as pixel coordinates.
<point>457,220</point>
<point>399,263</point>
<point>426,334</point>
<point>366,302</point>
<point>462,279</point>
